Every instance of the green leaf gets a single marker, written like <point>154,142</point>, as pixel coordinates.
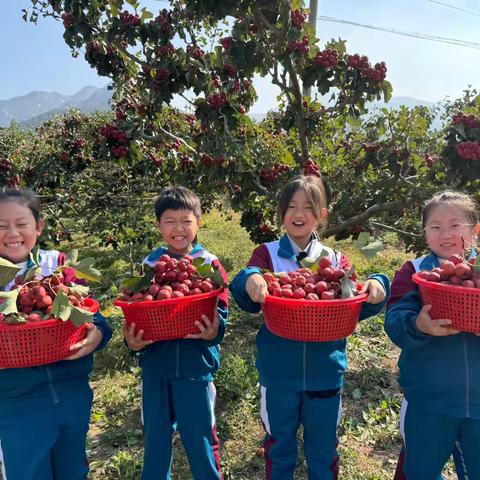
<point>205,270</point>
<point>8,271</point>
<point>79,316</point>
<point>35,256</point>
<point>349,288</point>
<point>372,249</point>
<point>198,262</point>
<point>362,240</point>
<point>84,269</point>
<point>146,14</point>
<point>136,283</point>
<point>476,265</point>
<point>72,257</point>
<point>217,278</point>
<point>9,304</point>
<point>79,290</point>
<point>61,307</point>
<point>15,319</point>
<point>31,272</point>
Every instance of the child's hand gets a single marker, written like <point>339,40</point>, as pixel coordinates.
<point>208,329</point>
<point>134,342</point>
<point>88,344</point>
<point>437,328</point>
<point>376,292</point>
<point>257,288</point>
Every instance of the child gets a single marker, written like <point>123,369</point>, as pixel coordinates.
<point>45,410</point>
<point>300,381</point>
<point>439,366</point>
<point>177,388</point>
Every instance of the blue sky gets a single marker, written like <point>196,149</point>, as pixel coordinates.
<point>36,57</point>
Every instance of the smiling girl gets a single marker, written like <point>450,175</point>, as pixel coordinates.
<point>300,382</point>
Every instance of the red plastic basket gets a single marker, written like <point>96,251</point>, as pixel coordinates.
<point>169,319</point>
<point>34,344</point>
<point>459,304</point>
<point>312,320</point>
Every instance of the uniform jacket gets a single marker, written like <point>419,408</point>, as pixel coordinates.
<point>36,387</point>
<point>441,372</point>
<point>290,364</point>
<point>193,359</point>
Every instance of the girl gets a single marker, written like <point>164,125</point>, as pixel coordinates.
<point>439,366</point>
<point>44,411</point>
<point>300,381</point>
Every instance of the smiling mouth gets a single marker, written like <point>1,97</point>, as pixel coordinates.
<point>14,245</point>
<point>298,224</point>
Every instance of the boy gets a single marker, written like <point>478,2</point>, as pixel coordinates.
<point>177,375</point>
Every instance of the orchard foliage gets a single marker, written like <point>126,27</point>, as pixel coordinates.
<point>109,169</point>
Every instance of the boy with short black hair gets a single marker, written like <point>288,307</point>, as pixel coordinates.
<point>177,375</point>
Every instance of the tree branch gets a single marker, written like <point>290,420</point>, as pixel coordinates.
<point>362,217</point>
<point>396,230</point>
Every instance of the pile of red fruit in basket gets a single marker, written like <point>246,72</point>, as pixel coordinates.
<point>172,279</point>
<point>454,271</point>
<point>321,283</point>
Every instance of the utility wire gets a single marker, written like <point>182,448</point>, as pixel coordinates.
<point>424,36</point>
<point>455,8</point>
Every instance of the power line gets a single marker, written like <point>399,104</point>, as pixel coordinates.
<point>455,8</point>
<point>424,36</point>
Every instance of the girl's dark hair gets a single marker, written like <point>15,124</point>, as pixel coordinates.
<point>23,197</point>
<point>178,198</point>
<point>450,198</point>
<point>313,188</point>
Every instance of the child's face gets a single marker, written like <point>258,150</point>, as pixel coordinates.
<point>178,228</point>
<point>18,231</point>
<point>444,229</point>
<point>299,220</point>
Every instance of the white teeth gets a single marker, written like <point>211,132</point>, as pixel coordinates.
<point>14,245</point>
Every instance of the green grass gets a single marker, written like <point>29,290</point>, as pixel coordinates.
<point>369,435</point>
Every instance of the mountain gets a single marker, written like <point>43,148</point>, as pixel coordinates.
<point>36,107</point>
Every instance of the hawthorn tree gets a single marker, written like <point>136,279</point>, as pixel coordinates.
<point>208,52</point>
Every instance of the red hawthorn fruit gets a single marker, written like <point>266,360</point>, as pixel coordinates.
<point>287,293</point>
<point>299,293</point>
<point>454,280</point>
<point>196,291</point>
<point>324,262</point>
<point>277,292</point>
<point>170,276</point>
<point>148,297</point>
<point>328,295</point>
<point>309,288</point>
<point>456,259</point>
<point>188,282</point>
<point>299,281</point>
<point>164,294</point>
<point>164,258</point>
<point>183,289</point>
<point>206,286</point>
<point>463,271</point>
<point>46,301</point>
<point>160,267</point>
<point>183,265</point>
<point>312,296</point>
<point>177,294</point>
<point>321,287</point>
<point>38,291</point>
<point>154,289</point>
<point>448,267</point>
<point>172,264</point>
<point>182,276</point>
<point>34,317</point>
<point>468,283</point>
